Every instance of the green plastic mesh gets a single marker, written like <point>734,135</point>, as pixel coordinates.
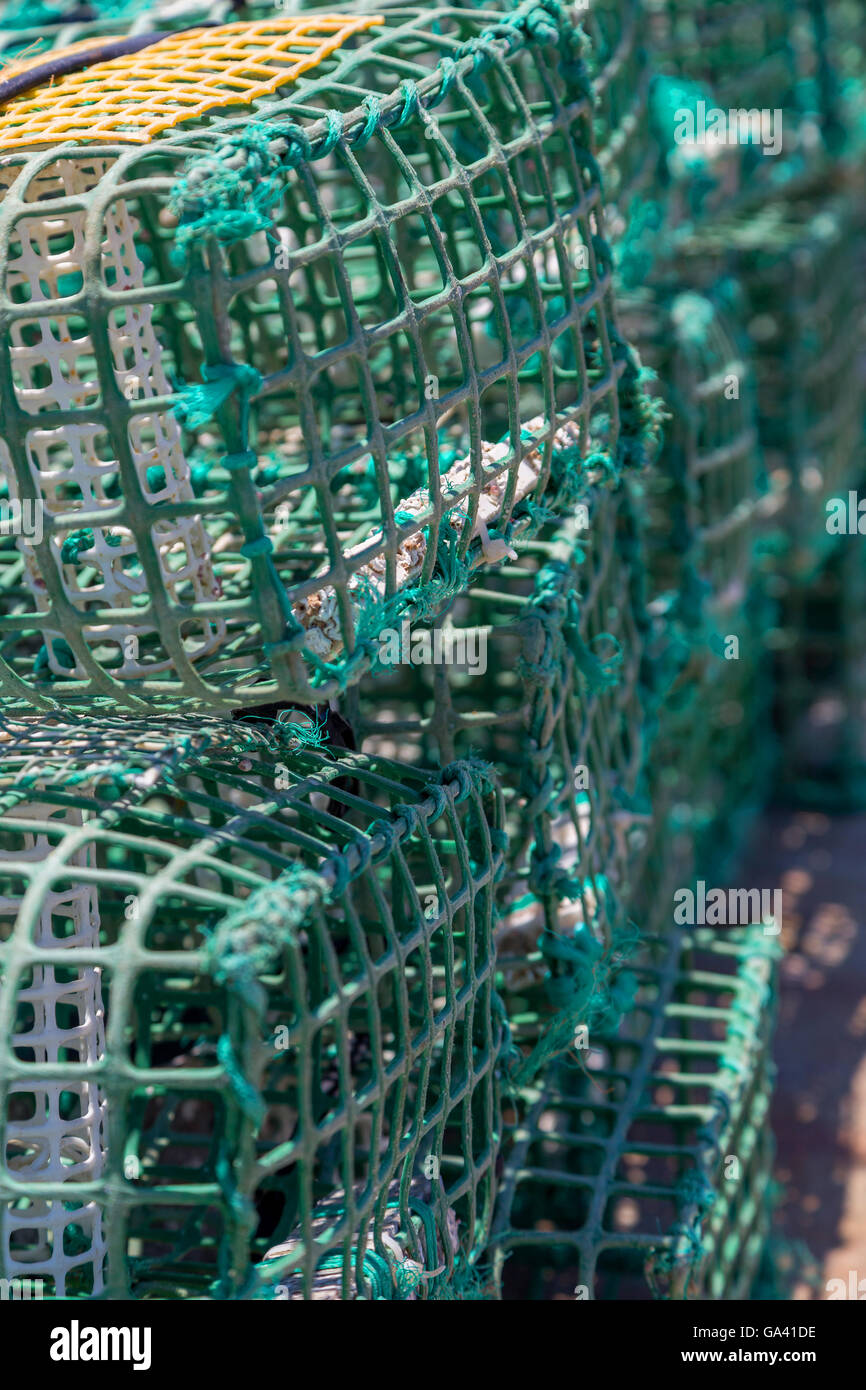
<point>645,1170</point>
<point>702,521</point>
<point>701,502</point>
<point>800,267</point>
<point>557,698</point>
<point>618,65</point>
<point>384,316</point>
<point>247,1003</point>
<point>352,366</point>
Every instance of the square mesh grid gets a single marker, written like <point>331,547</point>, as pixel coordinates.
<point>247,991</point>
<point>382,308</point>
<point>561,706</point>
<point>620,1183</point>
<point>800,268</point>
<point>701,502</point>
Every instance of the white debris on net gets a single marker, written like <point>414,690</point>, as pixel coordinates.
<point>318,612</point>
<point>328,1283</point>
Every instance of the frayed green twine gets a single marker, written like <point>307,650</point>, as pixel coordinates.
<point>199,403</point>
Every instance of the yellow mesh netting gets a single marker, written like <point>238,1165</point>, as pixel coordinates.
<point>135,97</point>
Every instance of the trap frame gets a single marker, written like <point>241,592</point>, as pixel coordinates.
<point>173,897</point>
<point>563,710</point>
<point>304,272</point>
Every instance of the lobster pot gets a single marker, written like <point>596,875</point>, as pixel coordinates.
<point>647,1172</point>
<point>541,674</point>
<point>617,63</point>
<point>382,338</point>
<point>295,956</point>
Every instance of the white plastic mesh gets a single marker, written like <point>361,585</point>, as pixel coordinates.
<point>55,1131</point>
<point>55,368</point>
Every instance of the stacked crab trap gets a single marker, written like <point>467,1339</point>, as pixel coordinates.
<point>380,604</point>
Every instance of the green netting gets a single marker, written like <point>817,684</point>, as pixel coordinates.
<point>700,503</point>
<point>386,306</point>
<point>800,266</point>
<point>620,1183</point>
<point>544,676</point>
<point>247,998</point>
<point>311,394</point>
<point>701,512</point>
<point>618,65</point>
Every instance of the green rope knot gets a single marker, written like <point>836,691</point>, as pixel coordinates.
<point>199,403</point>
<point>62,653</point>
<point>79,542</point>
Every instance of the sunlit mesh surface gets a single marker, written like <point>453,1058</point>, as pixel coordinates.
<point>293,954</point>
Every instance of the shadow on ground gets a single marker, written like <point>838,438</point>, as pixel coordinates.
<point>819,1111</point>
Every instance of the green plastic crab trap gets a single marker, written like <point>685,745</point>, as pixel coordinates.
<point>276,366</point>
<point>543,675</point>
<point>618,66</point>
<point>645,1172</point>
<point>251,1036</point>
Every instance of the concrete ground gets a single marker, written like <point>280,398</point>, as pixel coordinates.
<point>819,1112</point>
